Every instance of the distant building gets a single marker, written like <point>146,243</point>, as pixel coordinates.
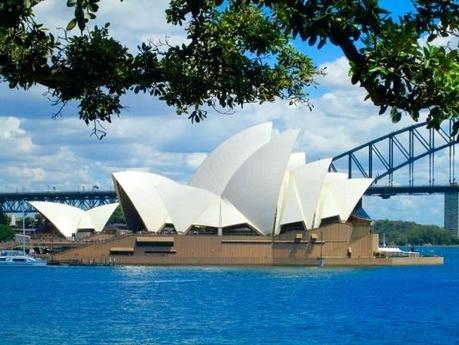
<point>12,220</point>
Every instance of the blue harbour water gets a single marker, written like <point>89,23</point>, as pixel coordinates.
<point>221,305</point>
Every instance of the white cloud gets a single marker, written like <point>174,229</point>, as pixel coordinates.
<point>336,74</point>
<point>451,41</point>
<point>423,209</point>
<point>26,173</point>
<point>194,160</point>
<point>13,139</point>
<point>132,22</point>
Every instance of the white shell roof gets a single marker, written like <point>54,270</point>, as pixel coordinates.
<point>340,196</point>
<point>140,189</point>
<point>85,222</point>
<point>291,211</point>
<point>185,204</point>
<point>68,219</point>
<point>347,194</point>
<point>100,215</point>
<point>231,215</point>
<point>327,206</point>
<point>333,176</point>
<point>254,188</point>
<point>221,213</point>
<point>296,160</point>
<point>221,164</point>
<point>287,208</point>
<point>309,180</point>
<point>64,217</point>
<point>133,178</point>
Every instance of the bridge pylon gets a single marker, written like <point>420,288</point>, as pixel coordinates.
<point>451,212</point>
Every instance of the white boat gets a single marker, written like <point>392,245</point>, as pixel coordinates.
<point>19,258</point>
<point>14,258</point>
<point>395,251</point>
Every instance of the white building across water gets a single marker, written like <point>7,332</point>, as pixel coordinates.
<point>252,180</point>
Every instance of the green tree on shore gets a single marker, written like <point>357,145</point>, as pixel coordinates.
<point>117,216</point>
<point>404,233</point>
<point>3,218</point>
<point>237,52</point>
<point>6,233</point>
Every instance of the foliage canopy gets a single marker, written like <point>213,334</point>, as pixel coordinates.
<point>239,51</point>
<point>6,233</point>
<point>117,216</point>
<point>404,233</point>
<point>3,218</point>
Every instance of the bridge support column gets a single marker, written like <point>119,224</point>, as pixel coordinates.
<point>452,212</point>
<point>3,218</point>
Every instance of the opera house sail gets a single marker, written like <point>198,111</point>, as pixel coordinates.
<point>68,220</point>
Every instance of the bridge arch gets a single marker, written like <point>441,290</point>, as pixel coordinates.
<point>421,143</point>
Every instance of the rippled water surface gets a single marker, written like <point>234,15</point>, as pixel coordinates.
<point>219,305</point>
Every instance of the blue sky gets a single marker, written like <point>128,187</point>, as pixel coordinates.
<point>41,152</point>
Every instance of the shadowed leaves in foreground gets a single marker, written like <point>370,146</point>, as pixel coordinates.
<point>239,52</point>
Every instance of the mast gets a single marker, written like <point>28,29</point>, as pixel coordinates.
<point>23,231</point>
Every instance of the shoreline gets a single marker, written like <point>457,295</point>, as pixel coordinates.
<point>324,262</point>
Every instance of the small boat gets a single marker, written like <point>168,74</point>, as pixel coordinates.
<point>14,258</point>
<point>19,258</point>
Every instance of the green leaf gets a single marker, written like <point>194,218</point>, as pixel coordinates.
<point>395,115</point>
<point>71,24</point>
<point>383,109</point>
<point>93,7</point>
<point>322,43</point>
<point>355,78</point>
<point>81,23</point>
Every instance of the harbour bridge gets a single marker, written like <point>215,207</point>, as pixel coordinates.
<point>404,162</point>
<point>393,160</point>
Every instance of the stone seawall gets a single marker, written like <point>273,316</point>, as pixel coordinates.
<point>402,261</point>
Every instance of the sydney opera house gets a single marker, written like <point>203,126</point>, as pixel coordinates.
<point>253,181</point>
<point>253,200</point>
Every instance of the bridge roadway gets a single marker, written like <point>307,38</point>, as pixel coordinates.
<point>11,202</point>
<point>388,191</point>
<point>30,196</point>
<point>15,202</point>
